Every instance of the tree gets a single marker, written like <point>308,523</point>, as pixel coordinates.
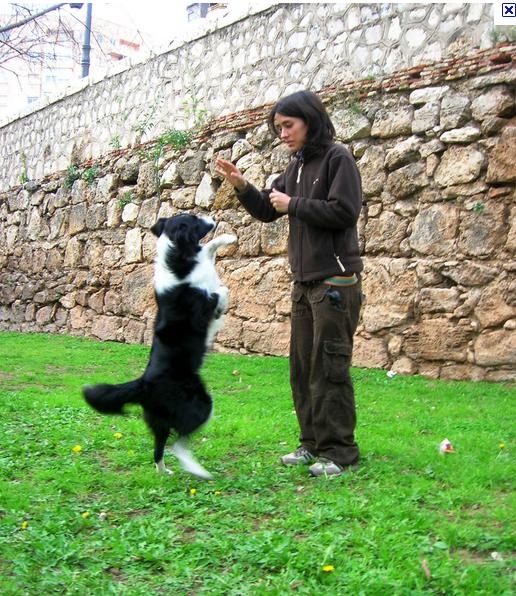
<point>33,36</point>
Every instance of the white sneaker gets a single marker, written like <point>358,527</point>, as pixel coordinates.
<point>326,467</point>
<point>300,456</point>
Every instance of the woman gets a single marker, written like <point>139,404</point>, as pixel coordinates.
<point>320,191</point>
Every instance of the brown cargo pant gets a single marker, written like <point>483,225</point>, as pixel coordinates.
<point>324,320</point>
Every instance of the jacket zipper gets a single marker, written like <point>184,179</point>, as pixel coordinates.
<point>299,170</point>
<point>342,268</point>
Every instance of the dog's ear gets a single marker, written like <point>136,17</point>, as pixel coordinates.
<point>157,228</point>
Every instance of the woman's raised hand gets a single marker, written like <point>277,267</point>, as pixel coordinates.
<point>230,173</point>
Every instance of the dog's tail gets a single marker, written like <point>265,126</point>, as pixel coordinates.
<point>111,399</point>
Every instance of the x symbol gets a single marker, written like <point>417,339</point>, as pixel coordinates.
<point>508,10</point>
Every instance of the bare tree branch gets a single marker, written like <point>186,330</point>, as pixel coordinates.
<point>32,37</point>
<point>30,18</point>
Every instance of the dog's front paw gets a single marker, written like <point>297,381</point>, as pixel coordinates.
<point>226,239</point>
<point>223,302</point>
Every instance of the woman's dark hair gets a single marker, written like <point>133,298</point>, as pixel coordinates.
<point>309,107</point>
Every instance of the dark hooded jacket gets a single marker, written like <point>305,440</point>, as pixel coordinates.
<point>326,198</point>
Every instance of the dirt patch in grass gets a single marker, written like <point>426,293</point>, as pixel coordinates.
<point>472,557</point>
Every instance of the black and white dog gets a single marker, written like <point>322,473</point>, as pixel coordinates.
<point>191,301</point>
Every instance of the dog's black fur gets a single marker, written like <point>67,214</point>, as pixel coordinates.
<point>190,300</point>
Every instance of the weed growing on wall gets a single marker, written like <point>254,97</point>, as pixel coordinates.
<point>173,137</point>
<point>177,139</point>
<point>353,106</point>
<point>195,112</point>
<point>479,207</point>
<point>126,198</point>
<point>73,173</point>
<point>24,176</point>
<point>501,34</point>
<point>90,174</point>
<point>115,142</point>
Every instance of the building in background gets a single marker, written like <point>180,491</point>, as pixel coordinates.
<point>205,10</point>
<point>118,31</point>
<point>52,51</point>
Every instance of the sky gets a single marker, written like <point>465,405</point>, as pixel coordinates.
<point>154,16</point>
<point>157,20</point>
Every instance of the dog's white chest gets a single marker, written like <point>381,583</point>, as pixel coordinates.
<point>204,275</point>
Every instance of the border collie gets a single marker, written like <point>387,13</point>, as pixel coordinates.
<point>191,301</point>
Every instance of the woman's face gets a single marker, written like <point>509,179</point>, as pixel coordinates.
<point>292,131</point>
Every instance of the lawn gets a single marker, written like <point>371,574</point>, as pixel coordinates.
<point>83,512</point>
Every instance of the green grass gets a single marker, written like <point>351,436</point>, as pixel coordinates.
<point>102,521</point>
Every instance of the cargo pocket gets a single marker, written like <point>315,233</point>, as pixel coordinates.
<point>297,293</point>
<point>336,360</point>
<point>299,308</point>
<point>317,293</point>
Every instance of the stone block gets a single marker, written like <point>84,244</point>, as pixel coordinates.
<point>501,168</point>
<point>434,230</point>
<point>438,339</point>
<point>77,219</point>
<point>482,232</point>
<point>133,246</point>
<point>407,180</point>
<point>438,300</point>
<point>496,348</point>
<point>107,328</point>
<point>492,308</point>
<point>191,170</point>
<point>205,194</point>
<point>455,110</point>
<point>496,101</point>
<point>371,166</point>
<point>369,352</point>
<point>459,165</point>
<point>274,237</point>
<point>148,213</point>
<point>137,294</point>
<point>426,118</point>
<point>402,153</point>
<point>393,122</point>
<point>468,134</point>
<point>385,233</point>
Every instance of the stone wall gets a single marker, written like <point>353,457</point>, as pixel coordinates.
<point>241,61</point>
<point>435,145</point>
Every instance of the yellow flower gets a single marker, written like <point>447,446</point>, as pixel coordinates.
<point>328,568</point>
<point>118,435</point>
<point>218,492</point>
<point>76,448</point>
<point>502,446</point>
<point>85,514</point>
<point>24,524</point>
<point>193,492</point>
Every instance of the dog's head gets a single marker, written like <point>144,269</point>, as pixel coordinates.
<point>185,230</point>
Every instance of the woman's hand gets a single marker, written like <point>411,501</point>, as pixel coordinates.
<point>279,200</point>
<point>231,173</point>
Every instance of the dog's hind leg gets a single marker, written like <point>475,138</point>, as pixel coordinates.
<point>160,438</point>
<point>187,460</point>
